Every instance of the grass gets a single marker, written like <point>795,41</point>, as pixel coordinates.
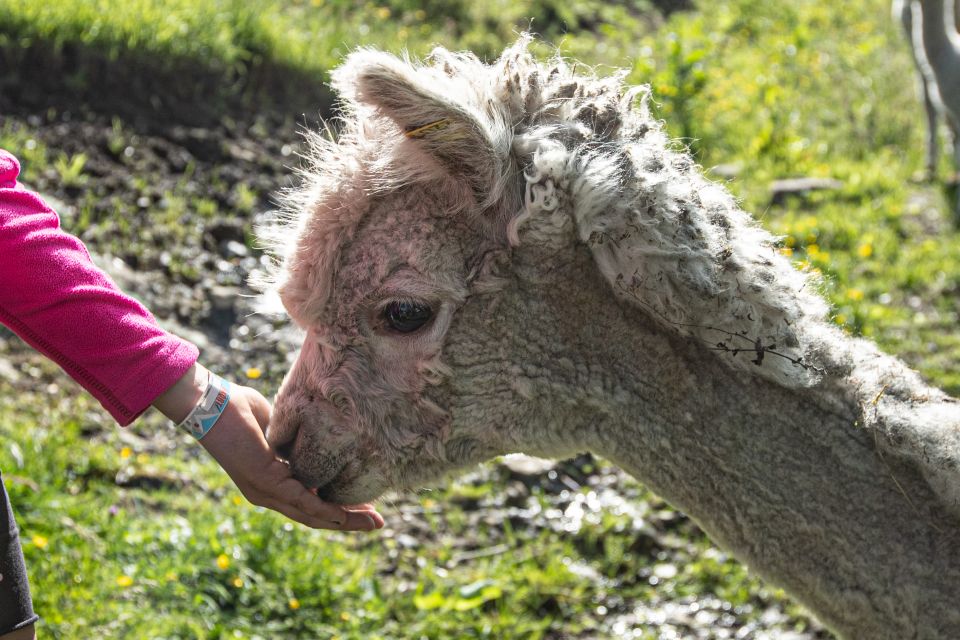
<point>305,34</point>
<point>136,534</point>
<point>173,52</point>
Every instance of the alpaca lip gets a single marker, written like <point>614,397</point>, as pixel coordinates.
<point>327,490</point>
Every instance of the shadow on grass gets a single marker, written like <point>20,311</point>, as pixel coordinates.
<point>151,89</point>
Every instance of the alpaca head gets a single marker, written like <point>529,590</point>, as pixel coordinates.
<point>421,253</point>
<point>399,222</point>
<point>355,414</point>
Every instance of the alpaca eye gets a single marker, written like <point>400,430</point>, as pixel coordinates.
<point>406,317</point>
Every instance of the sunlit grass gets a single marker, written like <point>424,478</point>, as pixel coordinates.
<point>310,36</point>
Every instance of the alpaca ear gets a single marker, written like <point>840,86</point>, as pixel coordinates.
<point>420,101</point>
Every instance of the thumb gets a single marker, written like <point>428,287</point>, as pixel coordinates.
<point>259,406</point>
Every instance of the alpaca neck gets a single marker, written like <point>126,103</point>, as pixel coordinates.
<point>784,478</point>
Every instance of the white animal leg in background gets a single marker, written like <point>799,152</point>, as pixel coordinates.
<point>903,11</point>
<point>934,28</point>
<point>933,141</point>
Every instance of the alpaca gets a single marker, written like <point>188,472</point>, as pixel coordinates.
<point>931,30</point>
<point>514,257</point>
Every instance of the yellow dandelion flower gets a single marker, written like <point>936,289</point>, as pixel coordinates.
<point>223,562</point>
<point>786,251</point>
<point>840,319</point>
<point>143,458</point>
<point>237,582</point>
<point>237,500</point>
<point>344,616</point>
<point>865,250</point>
<point>40,542</point>
<point>126,452</point>
<point>383,12</point>
<point>855,294</point>
<point>813,249</point>
<point>790,241</point>
<point>293,603</point>
<point>124,581</point>
<point>171,576</point>
<point>254,372</point>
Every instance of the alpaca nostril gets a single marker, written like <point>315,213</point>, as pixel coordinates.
<point>285,450</point>
<point>282,435</point>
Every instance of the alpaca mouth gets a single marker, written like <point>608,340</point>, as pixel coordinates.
<point>327,492</point>
<point>353,484</point>
<point>324,486</point>
<point>341,490</point>
<point>321,477</point>
<point>329,488</point>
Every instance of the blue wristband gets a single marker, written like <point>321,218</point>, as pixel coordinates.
<point>212,403</point>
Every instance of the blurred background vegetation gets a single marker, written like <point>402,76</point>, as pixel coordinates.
<point>161,129</point>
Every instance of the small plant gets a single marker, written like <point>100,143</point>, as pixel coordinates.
<point>70,169</point>
<point>117,140</point>
<point>206,208</point>
<point>245,198</point>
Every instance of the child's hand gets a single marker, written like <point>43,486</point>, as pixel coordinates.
<point>236,441</point>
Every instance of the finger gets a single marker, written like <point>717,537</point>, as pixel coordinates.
<point>344,521</point>
<point>289,496</point>
<point>261,409</point>
<point>364,506</point>
<point>293,493</point>
<point>369,510</point>
<point>360,521</point>
<point>371,513</point>
<point>361,507</point>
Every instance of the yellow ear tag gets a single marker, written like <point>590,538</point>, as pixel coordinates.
<point>422,130</point>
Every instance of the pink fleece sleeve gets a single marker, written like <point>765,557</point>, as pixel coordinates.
<point>59,302</point>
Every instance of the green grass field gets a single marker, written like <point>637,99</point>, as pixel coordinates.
<point>136,534</point>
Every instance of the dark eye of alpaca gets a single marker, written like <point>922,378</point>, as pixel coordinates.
<point>406,317</point>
